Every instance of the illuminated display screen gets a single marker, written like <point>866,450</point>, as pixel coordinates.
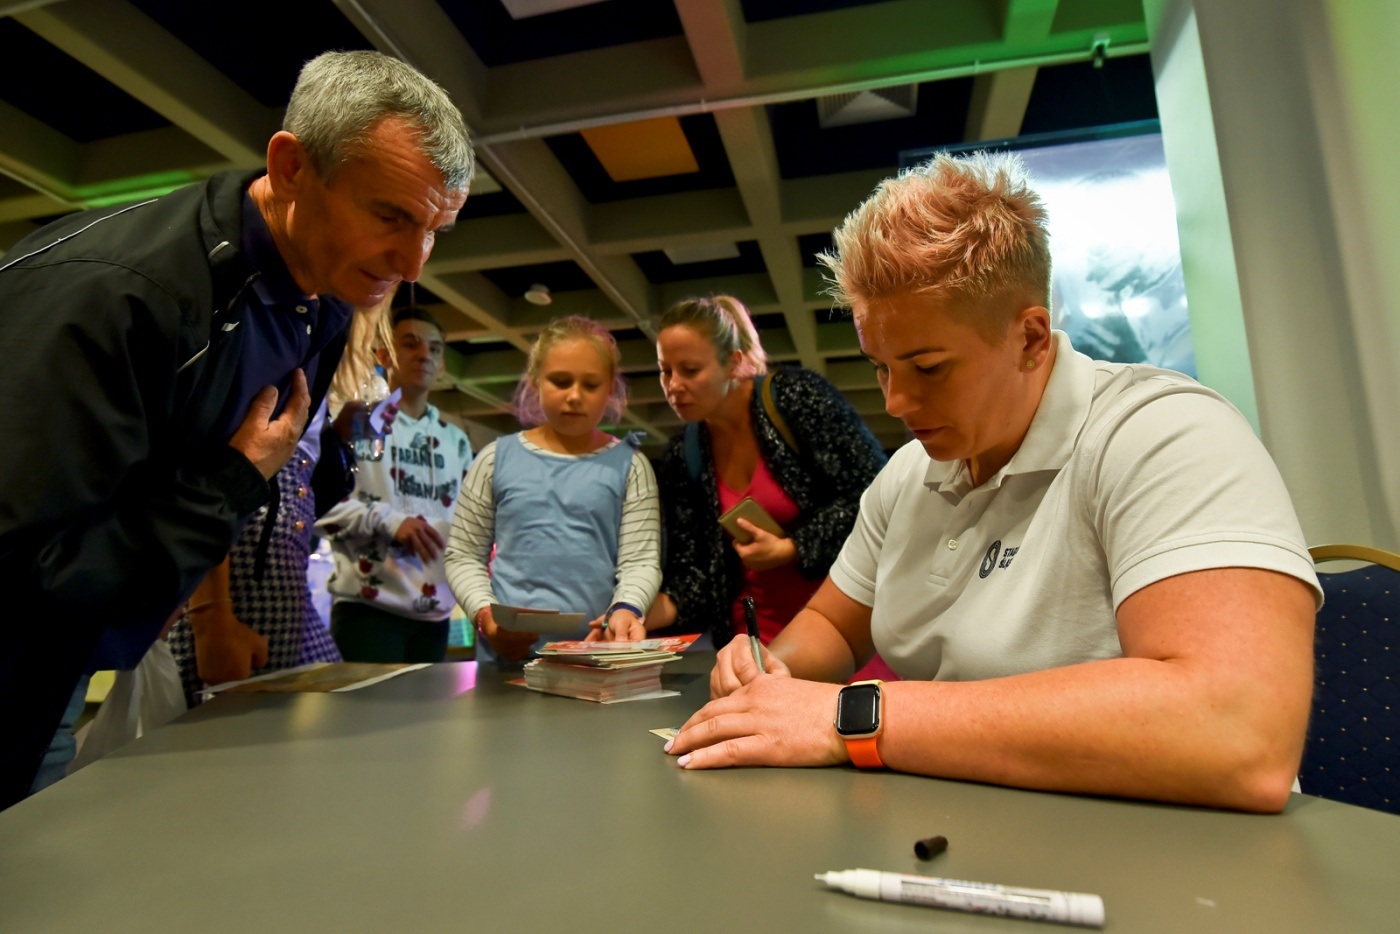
<point>1118,286</point>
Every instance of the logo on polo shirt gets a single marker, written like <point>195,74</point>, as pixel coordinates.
<point>989,561</point>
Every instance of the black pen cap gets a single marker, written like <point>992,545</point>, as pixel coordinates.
<point>930,847</point>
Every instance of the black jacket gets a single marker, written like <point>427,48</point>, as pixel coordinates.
<point>836,459</point>
<point>119,339</point>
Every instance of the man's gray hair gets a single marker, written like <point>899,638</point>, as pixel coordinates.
<point>340,95</point>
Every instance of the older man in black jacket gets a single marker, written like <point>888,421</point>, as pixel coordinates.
<point>160,360</point>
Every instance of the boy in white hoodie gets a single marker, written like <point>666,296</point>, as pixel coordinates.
<point>391,600</point>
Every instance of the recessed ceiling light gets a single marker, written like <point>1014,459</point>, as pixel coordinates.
<point>870,106</point>
<point>538,294</point>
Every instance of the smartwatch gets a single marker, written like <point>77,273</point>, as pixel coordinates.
<point>859,714</point>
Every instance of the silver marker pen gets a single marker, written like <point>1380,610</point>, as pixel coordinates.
<point>751,620</point>
<point>979,897</point>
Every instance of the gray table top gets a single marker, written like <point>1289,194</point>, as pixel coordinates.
<point>448,800</point>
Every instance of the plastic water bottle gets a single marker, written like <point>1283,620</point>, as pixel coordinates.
<point>367,443</point>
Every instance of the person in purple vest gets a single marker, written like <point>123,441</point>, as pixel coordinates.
<point>571,510</point>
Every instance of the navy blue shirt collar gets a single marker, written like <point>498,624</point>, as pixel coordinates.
<point>274,284</point>
<point>281,328</point>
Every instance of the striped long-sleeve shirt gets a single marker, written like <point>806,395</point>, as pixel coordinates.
<point>474,532</point>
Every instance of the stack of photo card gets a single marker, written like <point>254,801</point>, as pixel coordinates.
<point>604,672</point>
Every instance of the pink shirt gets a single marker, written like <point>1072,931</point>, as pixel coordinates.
<point>778,593</point>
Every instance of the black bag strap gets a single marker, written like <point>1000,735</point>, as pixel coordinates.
<point>765,388</point>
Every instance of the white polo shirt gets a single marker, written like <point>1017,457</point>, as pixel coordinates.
<point>1128,475</point>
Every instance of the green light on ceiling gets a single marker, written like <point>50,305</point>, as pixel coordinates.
<point>135,188</point>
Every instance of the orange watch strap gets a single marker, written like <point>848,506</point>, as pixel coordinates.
<point>864,753</point>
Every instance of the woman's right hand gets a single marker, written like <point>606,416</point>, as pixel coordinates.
<point>764,550</point>
<point>512,646</point>
<point>735,667</point>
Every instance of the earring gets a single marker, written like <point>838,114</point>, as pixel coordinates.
<point>1030,364</point>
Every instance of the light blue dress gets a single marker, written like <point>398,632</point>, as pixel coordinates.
<point>557,524</point>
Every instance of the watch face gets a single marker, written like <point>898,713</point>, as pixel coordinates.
<point>858,709</point>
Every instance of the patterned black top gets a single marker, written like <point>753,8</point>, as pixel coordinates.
<point>836,459</point>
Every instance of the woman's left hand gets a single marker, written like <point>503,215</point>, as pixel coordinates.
<point>766,550</point>
<point>769,721</point>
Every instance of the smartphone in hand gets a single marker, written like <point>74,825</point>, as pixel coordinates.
<point>748,508</point>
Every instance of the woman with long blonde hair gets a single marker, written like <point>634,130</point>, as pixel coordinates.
<point>786,439</point>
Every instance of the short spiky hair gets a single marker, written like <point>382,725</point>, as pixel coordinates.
<point>968,228</point>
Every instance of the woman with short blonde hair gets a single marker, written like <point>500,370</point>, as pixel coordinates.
<point>1089,575</point>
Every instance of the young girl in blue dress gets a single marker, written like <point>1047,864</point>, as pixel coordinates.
<point>571,510</point>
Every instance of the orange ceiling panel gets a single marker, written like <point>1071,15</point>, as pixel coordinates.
<point>644,149</point>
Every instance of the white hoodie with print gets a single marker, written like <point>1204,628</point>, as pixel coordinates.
<point>419,475</point>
